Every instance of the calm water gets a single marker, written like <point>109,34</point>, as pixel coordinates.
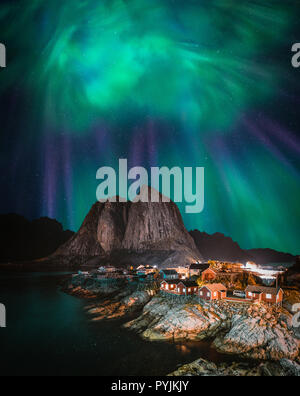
<point>49,333</point>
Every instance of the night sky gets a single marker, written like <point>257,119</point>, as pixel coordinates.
<point>162,83</point>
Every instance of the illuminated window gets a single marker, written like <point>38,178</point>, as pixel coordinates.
<point>269,296</point>
<point>215,294</point>
<point>201,293</point>
<point>189,290</point>
<point>184,290</point>
<point>250,294</point>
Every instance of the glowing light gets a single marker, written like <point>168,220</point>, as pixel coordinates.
<point>261,272</point>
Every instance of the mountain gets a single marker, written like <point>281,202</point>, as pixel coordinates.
<point>220,247</point>
<point>264,256</point>
<point>120,233</point>
<point>132,231</point>
<point>29,240</point>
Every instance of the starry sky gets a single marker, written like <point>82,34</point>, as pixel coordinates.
<point>162,83</point>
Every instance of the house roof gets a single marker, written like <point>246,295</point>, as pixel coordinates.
<point>200,267</point>
<point>212,270</point>
<point>169,272</point>
<point>171,281</point>
<point>188,283</point>
<point>262,289</point>
<point>215,287</point>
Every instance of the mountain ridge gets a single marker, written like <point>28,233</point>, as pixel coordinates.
<point>123,232</point>
<point>23,239</point>
<point>218,246</point>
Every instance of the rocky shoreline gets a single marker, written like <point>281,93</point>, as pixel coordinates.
<point>256,332</point>
<point>203,368</point>
<point>261,333</point>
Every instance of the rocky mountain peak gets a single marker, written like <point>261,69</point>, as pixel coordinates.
<point>135,227</point>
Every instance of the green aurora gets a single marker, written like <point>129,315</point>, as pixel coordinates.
<point>162,83</point>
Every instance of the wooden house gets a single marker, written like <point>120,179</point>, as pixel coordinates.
<point>179,287</point>
<point>209,275</point>
<point>169,274</point>
<point>214,291</point>
<point>183,272</point>
<point>169,285</point>
<point>266,294</point>
<point>197,269</point>
<point>145,270</point>
<point>187,288</point>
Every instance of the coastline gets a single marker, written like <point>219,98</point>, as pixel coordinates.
<point>260,334</point>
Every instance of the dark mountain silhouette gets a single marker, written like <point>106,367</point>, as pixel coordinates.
<point>29,240</point>
<point>265,256</point>
<point>220,247</point>
<point>295,269</point>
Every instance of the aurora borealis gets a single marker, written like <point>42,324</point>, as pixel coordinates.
<point>162,83</point>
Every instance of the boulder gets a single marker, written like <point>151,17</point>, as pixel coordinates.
<point>250,338</point>
<point>162,319</point>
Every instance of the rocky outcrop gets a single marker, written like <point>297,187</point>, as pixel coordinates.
<point>84,243</point>
<point>204,368</point>
<point>113,299</point>
<point>156,226</point>
<point>112,225</point>
<point>118,308</point>
<point>258,339</point>
<point>115,230</point>
<point>257,333</point>
<point>81,286</point>
<point>250,331</point>
<point>164,320</point>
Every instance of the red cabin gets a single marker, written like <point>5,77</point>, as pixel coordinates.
<point>266,294</point>
<point>179,287</point>
<point>215,291</point>
<point>169,286</point>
